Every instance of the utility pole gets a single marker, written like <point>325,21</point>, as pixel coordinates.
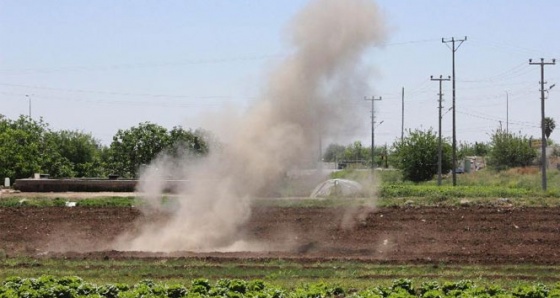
<point>373,99</point>
<point>454,49</point>
<point>440,79</point>
<point>402,121</point>
<point>507,112</point>
<point>29,100</point>
<point>543,136</point>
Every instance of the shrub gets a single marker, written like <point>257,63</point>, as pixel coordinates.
<point>510,150</point>
<point>417,156</point>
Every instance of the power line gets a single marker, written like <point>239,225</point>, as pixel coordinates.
<point>516,71</point>
<point>136,65</point>
<point>114,93</point>
<point>489,118</point>
<point>126,66</point>
<point>504,45</point>
<point>121,102</point>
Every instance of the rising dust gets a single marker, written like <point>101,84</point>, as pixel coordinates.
<point>307,96</point>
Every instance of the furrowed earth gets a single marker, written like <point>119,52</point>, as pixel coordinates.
<point>463,235</point>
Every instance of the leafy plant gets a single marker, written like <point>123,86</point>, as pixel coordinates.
<point>69,287</point>
<point>510,150</point>
<point>417,155</point>
<point>549,126</point>
<point>137,146</point>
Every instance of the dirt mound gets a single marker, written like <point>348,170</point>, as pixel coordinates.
<point>488,235</point>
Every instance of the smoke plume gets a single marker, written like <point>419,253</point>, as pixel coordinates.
<point>306,96</point>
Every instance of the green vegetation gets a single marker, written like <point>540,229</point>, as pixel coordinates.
<point>510,150</point>
<point>549,126</point>
<point>139,145</point>
<point>355,155</point>
<point>72,286</point>
<point>518,187</point>
<point>417,156</point>
<point>29,146</point>
<point>286,274</point>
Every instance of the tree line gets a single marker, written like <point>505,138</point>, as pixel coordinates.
<point>416,155</point>
<point>29,146</point>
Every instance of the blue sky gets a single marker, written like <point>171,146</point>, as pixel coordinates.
<point>100,66</point>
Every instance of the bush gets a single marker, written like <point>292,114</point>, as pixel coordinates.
<point>510,150</point>
<point>417,156</point>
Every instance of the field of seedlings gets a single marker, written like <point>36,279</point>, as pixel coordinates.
<point>49,286</point>
<point>486,247</point>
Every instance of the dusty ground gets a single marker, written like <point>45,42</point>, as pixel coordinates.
<point>488,235</point>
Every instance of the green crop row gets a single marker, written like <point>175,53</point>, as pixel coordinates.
<point>395,190</point>
<point>47,286</point>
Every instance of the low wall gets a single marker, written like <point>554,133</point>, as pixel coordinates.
<point>75,185</point>
<point>92,185</point>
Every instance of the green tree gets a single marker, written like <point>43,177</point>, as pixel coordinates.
<point>52,160</point>
<point>139,145</point>
<point>334,152</point>
<point>183,142</point>
<point>356,152</point>
<point>19,147</point>
<point>82,150</point>
<point>481,149</point>
<point>417,155</point>
<point>28,146</point>
<point>510,150</point>
<point>470,149</point>
<point>136,146</point>
<point>380,153</point>
<point>549,126</point>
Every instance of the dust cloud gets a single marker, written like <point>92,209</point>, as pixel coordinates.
<point>307,95</point>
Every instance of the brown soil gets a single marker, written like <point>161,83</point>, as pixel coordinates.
<point>484,235</point>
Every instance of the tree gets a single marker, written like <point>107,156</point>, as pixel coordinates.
<point>139,145</point>
<point>183,142</point>
<point>136,146</point>
<point>82,150</point>
<point>417,155</point>
<point>19,149</point>
<point>52,160</point>
<point>549,126</point>
<point>356,152</point>
<point>28,146</point>
<point>334,152</point>
<point>510,150</point>
<point>476,149</point>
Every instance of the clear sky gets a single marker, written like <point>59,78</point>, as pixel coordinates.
<point>99,66</point>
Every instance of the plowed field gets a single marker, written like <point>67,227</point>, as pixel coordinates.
<point>482,235</point>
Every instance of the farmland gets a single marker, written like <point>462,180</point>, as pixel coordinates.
<point>341,244</point>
